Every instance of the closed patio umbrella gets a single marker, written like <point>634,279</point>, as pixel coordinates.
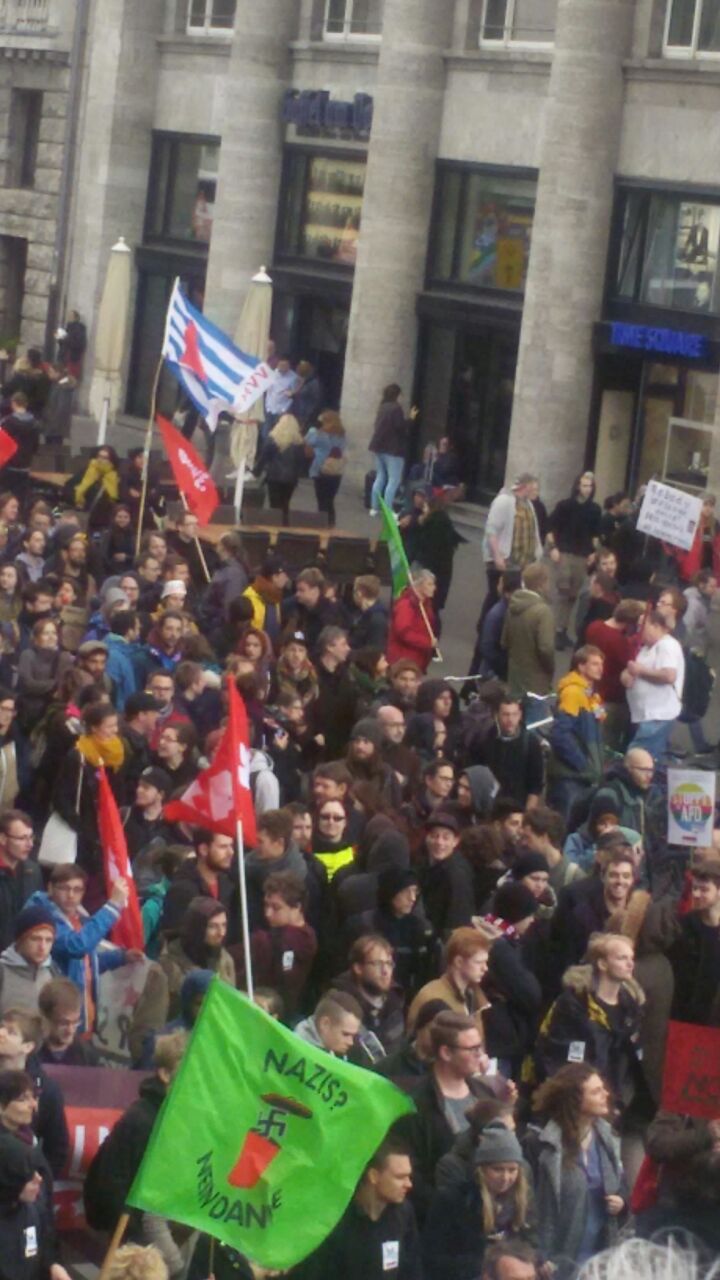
<point>252,336</point>
<point>110,338</point>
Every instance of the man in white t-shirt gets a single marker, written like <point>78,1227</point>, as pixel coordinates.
<point>654,683</point>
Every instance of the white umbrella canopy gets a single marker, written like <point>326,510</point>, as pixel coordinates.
<point>111,337</point>
<point>252,336</point>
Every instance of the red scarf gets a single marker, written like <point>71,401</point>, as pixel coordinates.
<point>507,929</point>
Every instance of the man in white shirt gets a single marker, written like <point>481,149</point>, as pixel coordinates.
<point>654,683</point>
<point>279,394</point>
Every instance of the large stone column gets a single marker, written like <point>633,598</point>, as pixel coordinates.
<point>396,209</point>
<point>250,155</point>
<point>115,147</point>
<point>566,274</point>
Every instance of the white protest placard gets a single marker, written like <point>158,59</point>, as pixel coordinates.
<point>120,990</point>
<point>691,806</point>
<point>670,514</point>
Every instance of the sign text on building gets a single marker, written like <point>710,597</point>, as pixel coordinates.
<point>668,342</point>
<point>314,111</point>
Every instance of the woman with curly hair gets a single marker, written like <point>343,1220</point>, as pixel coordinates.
<point>579,1180</point>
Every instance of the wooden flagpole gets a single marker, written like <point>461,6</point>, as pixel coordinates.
<point>114,1245</point>
<point>146,455</point>
<point>203,561</point>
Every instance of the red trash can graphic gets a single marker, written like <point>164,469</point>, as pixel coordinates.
<point>262,1144</point>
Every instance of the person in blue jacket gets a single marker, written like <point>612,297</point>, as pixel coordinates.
<point>121,643</point>
<point>76,950</point>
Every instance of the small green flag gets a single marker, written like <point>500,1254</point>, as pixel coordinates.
<point>263,1138</point>
<point>398,559</point>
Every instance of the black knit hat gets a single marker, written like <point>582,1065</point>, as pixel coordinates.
<point>157,778</point>
<point>393,880</point>
<point>514,902</point>
<point>526,864</point>
<point>33,918</point>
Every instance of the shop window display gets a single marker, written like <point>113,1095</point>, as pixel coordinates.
<point>182,190</point>
<point>323,208</point>
<point>668,254</point>
<point>483,229</point>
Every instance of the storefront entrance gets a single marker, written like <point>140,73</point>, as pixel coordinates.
<point>465,384</point>
<point>654,418</point>
<point>314,328</point>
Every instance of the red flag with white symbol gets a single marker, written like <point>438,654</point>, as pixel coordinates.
<point>128,931</point>
<point>220,796</point>
<point>8,447</point>
<point>191,475</point>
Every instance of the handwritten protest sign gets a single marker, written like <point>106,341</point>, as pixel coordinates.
<point>691,806</point>
<point>670,514</point>
<point>119,992</point>
<point>691,1086</point>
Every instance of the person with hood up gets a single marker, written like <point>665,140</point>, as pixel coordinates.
<point>26,966</point>
<point>195,986</point>
<point>581,846</point>
<point>399,919</point>
<point>497,1204</point>
<point>356,886</point>
<point>529,634</point>
<point>441,700</point>
<point>580,1187</point>
<point>510,984</point>
<point>573,535</point>
<point>597,1018</point>
<point>113,1168</point>
<point>199,945</point>
<point>477,787</point>
<point>27,1227</point>
<point>576,762</point>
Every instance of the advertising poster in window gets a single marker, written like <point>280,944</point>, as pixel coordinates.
<point>500,247</point>
<point>696,251</point>
<point>333,208</point>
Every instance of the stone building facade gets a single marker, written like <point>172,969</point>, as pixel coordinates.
<point>510,207</point>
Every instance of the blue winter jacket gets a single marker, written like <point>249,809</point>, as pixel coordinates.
<point>71,946</point>
<point>120,669</point>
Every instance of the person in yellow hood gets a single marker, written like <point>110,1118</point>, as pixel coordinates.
<point>577,753</point>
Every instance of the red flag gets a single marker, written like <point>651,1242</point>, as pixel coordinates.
<point>8,447</point>
<point>191,476</point>
<point>128,931</point>
<point>221,795</point>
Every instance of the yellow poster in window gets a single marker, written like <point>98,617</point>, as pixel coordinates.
<point>509,263</point>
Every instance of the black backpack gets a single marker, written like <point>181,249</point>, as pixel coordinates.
<point>698,686</point>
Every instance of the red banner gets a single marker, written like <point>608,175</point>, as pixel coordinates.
<point>691,1086</point>
<point>191,475</point>
<point>8,447</point>
<point>220,796</point>
<point>95,1098</point>
<point>128,931</point>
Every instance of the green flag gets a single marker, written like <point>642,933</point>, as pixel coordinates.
<point>398,560</point>
<point>263,1137</point>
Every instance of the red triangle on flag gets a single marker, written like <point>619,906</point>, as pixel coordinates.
<point>191,358</point>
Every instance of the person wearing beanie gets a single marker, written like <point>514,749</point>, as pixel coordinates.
<point>399,918</point>
<point>76,949</point>
<point>581,846</point>
<point>91,662</point>
<point>446,878</point>
<point>511,985</point>
<point>497,1204</point>
<point>26,966</point>
<point>199,945</point>
<point>27,1229</point>
<point>365,762</point>
<point>112,600</point>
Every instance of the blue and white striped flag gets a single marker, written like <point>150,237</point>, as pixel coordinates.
<point>217,375</point>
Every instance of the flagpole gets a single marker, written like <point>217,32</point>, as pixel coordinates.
<point>244,912</point>
<point>146,452</point>
<point>426,620</point>
<point>203,561</point>
<point>114,1245</point>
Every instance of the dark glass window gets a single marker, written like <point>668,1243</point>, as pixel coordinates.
<point>483,229</point>
<point>693,26</point>
<point>519,21</point>
<point>668,252</point>
<point>353,17</point>
<point>211,15</point>
<point>24,134</point>
<point>183,181</point>
<point>322,207</point>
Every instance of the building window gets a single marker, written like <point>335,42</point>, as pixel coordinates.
<point>518,22</point>
<point>668,251</point>
<point>25,115</point>
<point>210,15</point>
<point>183,181</point>
<point>483,225</point>
<point>352,19</point>
<point>322,207</point>
<point>692,27</point>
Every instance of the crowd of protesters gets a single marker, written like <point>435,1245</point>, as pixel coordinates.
<point>486,914</point>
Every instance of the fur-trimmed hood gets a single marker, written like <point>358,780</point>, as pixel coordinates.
<point>579,980</point>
